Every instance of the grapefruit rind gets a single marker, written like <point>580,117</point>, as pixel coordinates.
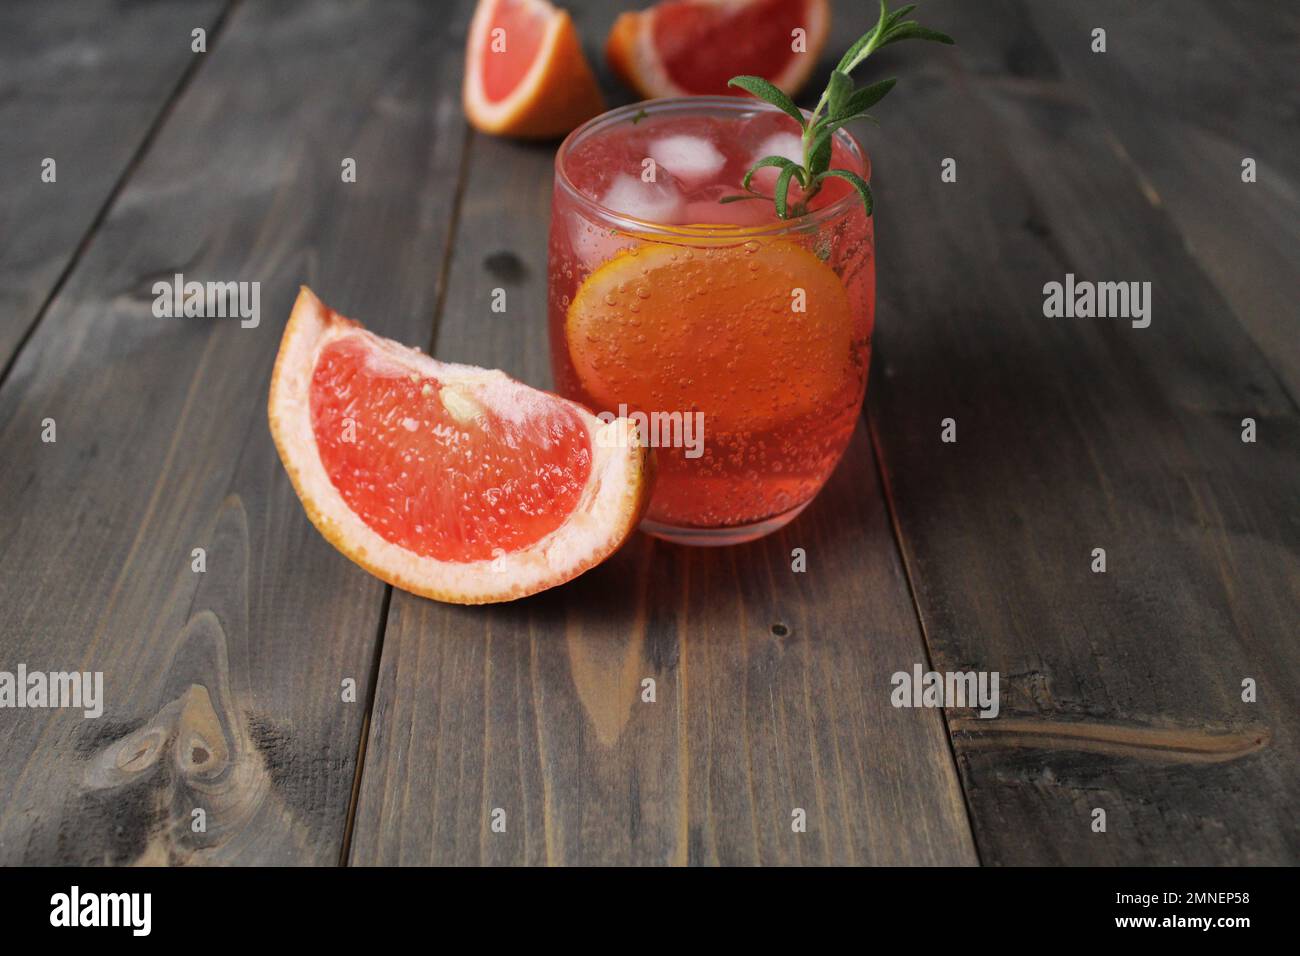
<point>608,510</point>
<point>633,56</point>
<point>558,92</point>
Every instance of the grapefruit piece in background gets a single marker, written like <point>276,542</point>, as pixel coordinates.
<point>453,482</point>
<point>525,74</point>
<point>683,47</point>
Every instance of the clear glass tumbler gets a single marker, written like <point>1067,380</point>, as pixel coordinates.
<point>738,341</point>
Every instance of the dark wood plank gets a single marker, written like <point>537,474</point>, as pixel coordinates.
<point>1122,690</point>
<point>224,689</point>
<point>81,84</point>
<point>535,707</point>
<point>1188,90</point>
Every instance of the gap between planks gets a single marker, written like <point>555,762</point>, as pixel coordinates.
<point>896,531</point>
<point>440,301</point>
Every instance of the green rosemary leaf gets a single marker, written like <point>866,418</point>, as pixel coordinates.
<point>911,30</point>
<point>821,144</point>
<point>838,90</point>
<point>819,150</point>
<point>782,195</point>
<point>866,97</point>
<point>768,92</point>
<point>864,191</point>
<point>780,161</point>
<point>897,15</point>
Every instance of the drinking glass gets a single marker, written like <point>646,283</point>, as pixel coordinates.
<point>738,342</point>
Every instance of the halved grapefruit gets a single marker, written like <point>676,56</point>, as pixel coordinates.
<point>525,73</point>
<point>683,47</point>
<point>450,481</point>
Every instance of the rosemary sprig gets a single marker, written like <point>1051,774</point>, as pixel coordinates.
<point>841,102</point>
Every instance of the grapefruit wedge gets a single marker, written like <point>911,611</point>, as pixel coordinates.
<point>453,482</point>
<point>684,47</point>
<point>525,74</point>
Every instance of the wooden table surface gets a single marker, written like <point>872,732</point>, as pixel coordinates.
<point>225,690</point>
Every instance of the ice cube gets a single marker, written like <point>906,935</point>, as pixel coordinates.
<point>789,145</point>
<point>660,201</point>
<point>692,159</point>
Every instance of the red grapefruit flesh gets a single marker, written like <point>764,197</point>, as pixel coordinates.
<point>521,26</point>
<point>454,482</point>
<point>525,73</point>
<point>684,47</point>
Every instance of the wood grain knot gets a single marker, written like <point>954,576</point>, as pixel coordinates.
<point>505,265</point>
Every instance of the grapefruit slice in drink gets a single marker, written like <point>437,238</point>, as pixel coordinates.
<point>683,47</point>
<point>712,328</point>
<point>525,73</point>
<point>453,482</point>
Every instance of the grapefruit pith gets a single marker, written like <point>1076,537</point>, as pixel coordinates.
<point>525,73</point>
<point>684,47</point>
<point>453,482</point>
